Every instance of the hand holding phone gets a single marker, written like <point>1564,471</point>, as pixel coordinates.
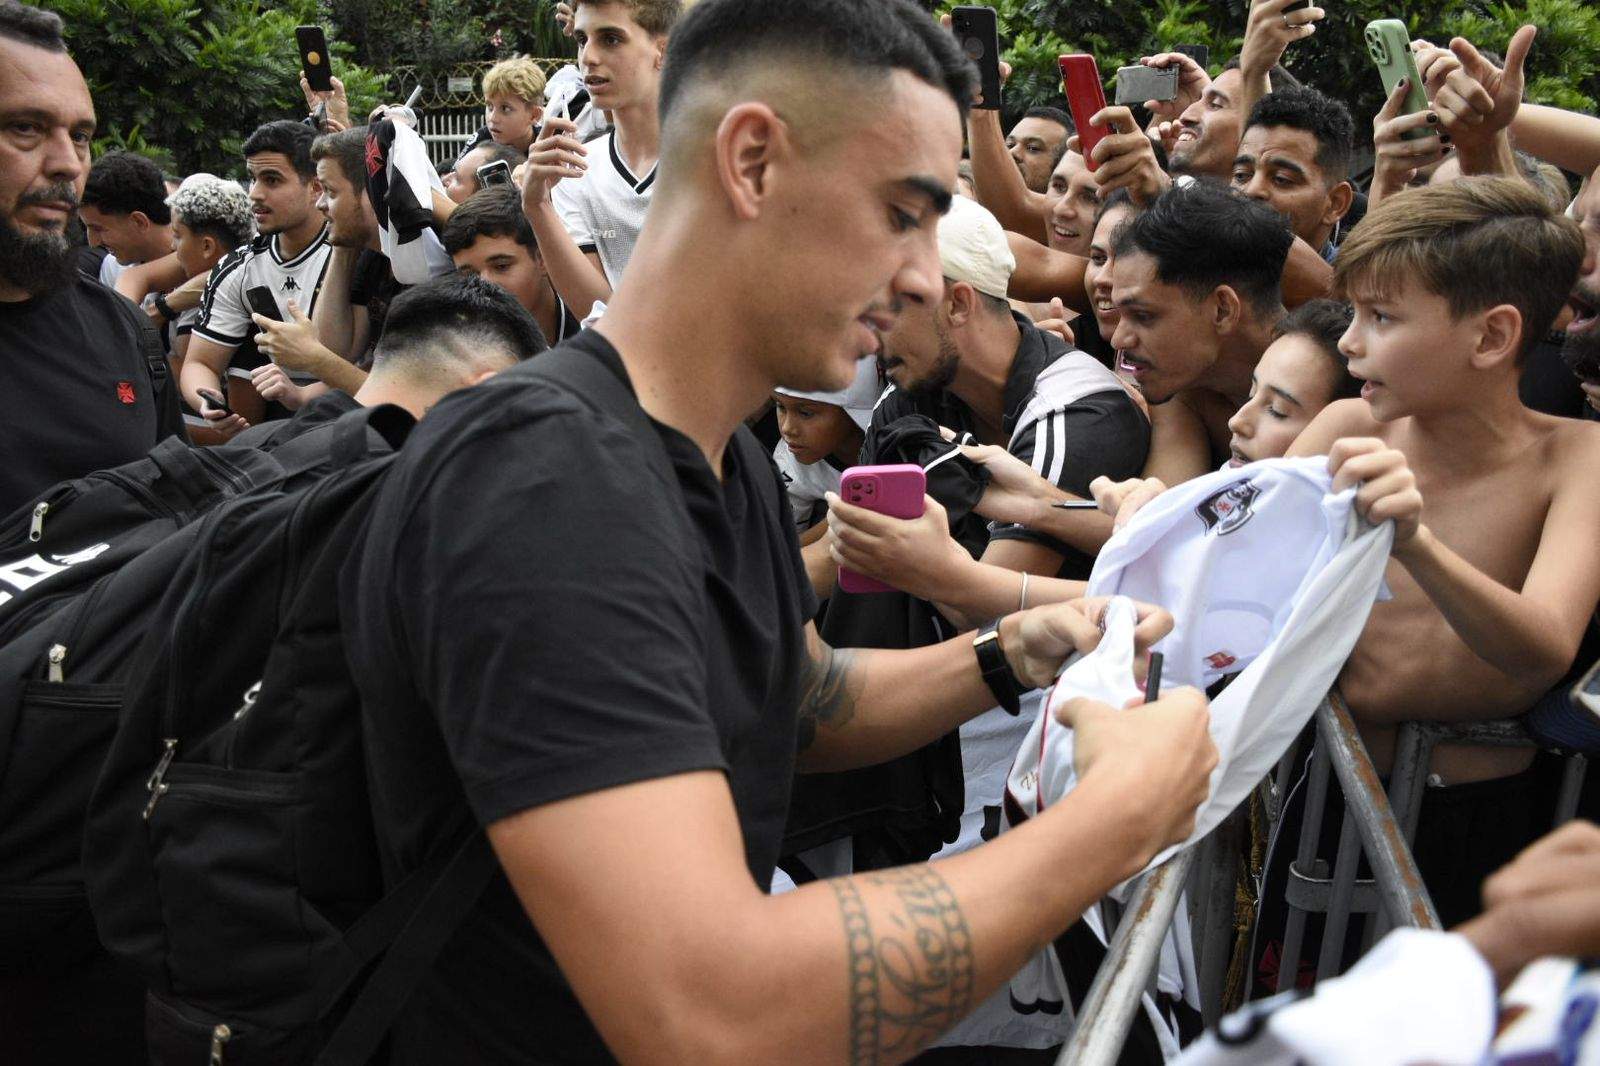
<point>895,490</point>
<point>1389,45</point>
<point>978,34</point>
<point>1139,83</point>
<point>496,173</point>
<point>263,303</point>
<point>1086,96</point>
<point>215,400</point>
<point>314,57</point>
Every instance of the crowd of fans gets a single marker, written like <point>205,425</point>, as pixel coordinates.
<point>740,813</point>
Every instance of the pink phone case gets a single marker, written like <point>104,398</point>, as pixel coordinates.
<point>895,490</point>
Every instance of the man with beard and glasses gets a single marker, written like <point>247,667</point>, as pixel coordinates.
<point>81,388</point>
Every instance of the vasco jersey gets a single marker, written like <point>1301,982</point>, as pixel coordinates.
<point>224,310</point>
<point>604,210</point>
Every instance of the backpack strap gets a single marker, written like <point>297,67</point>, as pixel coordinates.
<point>417,918</point>
<point>154,357</point>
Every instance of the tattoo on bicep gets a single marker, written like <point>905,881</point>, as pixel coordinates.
<point>910,959</point>
<point>827,693</point>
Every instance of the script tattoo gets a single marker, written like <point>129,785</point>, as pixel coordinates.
<point>911,969</point>
<point>827,692</point>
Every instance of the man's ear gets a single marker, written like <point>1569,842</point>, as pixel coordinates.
<point>661,50</point>
<point>1340,197</point>
<point>1225,309</point>
<point>211,247</point>
<point>140,219</point>
<point>750,138</point>
<point>1499,337</point>
<point>961,303</point>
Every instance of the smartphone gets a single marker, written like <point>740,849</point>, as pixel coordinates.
<point>1389,45</point>
<point>263,303</point>
<point>215,399</point>
<point>1200,53</point>
<point>314,57</point>
<point>1086,96</point>
<point>979,37</point>
<point>496,173</point>
<point>1586,693</point>
<point>895,490</point>
<point>1139,83</point>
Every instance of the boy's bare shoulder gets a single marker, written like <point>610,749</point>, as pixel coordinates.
<point>1341,418</point>
<point>1574,445</point>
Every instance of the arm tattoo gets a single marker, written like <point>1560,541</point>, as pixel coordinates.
<point>911,979</point>
<point>827,692</point>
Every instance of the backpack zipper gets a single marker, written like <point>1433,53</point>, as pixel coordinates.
<point>251,694</point>
<point>155,785</point>
<point>137,490</point>
<point>219,1039</point>
<point>56,656</point>
<point>36,523</point>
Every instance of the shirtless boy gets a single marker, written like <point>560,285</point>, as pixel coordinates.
<point>1495,570</point>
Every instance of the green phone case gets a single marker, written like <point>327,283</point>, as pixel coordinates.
<point>1389,45</point>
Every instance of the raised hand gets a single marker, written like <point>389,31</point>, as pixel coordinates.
<point>557,154</point>
<point>1396,157</point>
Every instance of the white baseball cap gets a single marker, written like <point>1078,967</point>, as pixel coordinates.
<point>857,400</point>
<point>973,248</point>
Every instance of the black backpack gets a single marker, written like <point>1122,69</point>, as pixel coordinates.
<point>230,854</point>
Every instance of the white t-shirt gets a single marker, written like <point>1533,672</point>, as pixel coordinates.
<point>805,485</point>
<point>604,209</point>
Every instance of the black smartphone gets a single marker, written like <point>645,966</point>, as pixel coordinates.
<point>314,57</point>
<point>261,301</point>
<point>1200,53</point>
<point>979,37</point>
<point>215,399</point>
<point>496,173</point>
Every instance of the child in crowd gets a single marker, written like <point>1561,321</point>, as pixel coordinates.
<point>1300,373</point>
<point>513,92</point>
<point>210,218</point>
<point>822,435</point>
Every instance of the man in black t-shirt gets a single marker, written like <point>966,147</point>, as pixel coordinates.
<point>614,673</point>
<point>83,383</point>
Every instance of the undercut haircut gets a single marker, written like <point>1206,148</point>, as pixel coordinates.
<point>31,26</point>
<point>518,76</point>
<point>292,139</point>
<point>1278,78</point>
<point>492,212</point>
<point>1323,322</point>
<point>1476,242</point>
<point>453,318</point>
<point>121,183</point>
<point>498,152</point>
<point>213,207</point>
<point>869,40</point>
<point>1301,107</point>
<point>348,151</point>
<point>656,17</point>
<point>1204,235</point>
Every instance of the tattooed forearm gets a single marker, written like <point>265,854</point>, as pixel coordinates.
<point>910,958</point>
<point>828,691</point>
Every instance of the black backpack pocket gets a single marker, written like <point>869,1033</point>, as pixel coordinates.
<point>179,1034</point>
<point>225,845</point>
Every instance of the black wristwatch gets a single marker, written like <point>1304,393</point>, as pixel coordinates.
<point>161,305</point>
<point>997,672</point>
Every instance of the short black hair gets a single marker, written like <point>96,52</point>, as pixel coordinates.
<point>32,26</point>
<point>292,139</point>
<point>1204,234</point>
<point>121,183</point>
<point>881,36</point>
<point>492,212</point>
<point>1324,322</point>
<point>1278,78</point>
<point>501,153</point>
<point>1301,107</point>
<point>1119,197</point>
<point>454,307</point>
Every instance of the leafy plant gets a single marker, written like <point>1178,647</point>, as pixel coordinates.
<point>194,77</point>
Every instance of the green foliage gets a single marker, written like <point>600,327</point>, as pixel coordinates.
<point>1563,70</point>
<point>433,35</point>
<point>192,78</point>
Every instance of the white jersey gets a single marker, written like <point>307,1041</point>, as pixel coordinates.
<point>805,485</point>
<point>604,209</point>
<point>224,310</point>
<point>1269,577</point>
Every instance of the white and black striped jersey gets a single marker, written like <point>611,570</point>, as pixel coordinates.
<point>604,209</point>
<point>224,311</point>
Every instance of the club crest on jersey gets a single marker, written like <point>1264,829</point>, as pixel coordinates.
<point>1228,508</point>
<point>1221,660</point>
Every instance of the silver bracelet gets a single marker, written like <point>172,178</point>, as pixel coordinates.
<point>1022,605</point>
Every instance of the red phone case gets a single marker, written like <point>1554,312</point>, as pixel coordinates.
<point>1086,96</point>
<point>895,490</point>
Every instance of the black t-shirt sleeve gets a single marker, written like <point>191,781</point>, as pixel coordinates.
<point>1102,434</point>
<point>551,616</point>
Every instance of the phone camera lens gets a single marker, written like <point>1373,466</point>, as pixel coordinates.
<point>973,47</point>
